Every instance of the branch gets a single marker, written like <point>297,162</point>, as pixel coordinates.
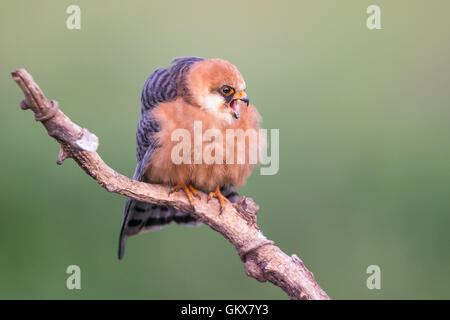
<point>237,223</point>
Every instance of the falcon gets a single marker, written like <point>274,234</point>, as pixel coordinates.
<point>190,90</point>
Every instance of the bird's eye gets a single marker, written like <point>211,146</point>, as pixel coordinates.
<point>226,91</point>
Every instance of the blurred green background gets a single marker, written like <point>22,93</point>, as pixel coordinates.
<point>364,120</point>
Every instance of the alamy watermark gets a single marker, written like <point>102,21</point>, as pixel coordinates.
<point>373,22</point>
<point>74,20</point>
<point>235,147</point>
<point>74,280</point>
<point>374,280</point>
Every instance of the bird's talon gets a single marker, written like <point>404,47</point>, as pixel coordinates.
<point>194,192</point>
<point>222,199</point>
<point>174,189</point>
<point>189,195</point>
<point>189,191</point>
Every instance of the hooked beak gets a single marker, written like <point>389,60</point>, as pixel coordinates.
<point>245,99</point>
<point>233,104</point>
<point>242,96</point>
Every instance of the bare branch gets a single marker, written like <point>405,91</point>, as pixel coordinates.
<point>237,223</point>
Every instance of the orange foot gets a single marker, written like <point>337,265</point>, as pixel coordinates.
<point>189,190</point>
<point>222,199</point>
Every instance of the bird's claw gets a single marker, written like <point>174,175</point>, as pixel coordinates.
<point>174,189</point>
<point>194,192</point>
<point>222,199</point>
<point>189,191</point>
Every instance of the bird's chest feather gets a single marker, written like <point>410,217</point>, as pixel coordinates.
<point>196,147</point>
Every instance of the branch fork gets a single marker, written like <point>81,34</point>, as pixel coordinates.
<point>263,260</point>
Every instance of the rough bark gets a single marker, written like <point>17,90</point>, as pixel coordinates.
<point>263,260</point>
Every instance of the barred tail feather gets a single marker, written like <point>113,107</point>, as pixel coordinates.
<point>141,217</point>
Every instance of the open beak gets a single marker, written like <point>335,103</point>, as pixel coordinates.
<point>242,96</point>
<point>233,104</point>
<point>233,111</point>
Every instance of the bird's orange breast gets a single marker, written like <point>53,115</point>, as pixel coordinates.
<point>205,176</point>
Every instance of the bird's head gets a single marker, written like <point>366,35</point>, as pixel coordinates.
<point>217,86</point>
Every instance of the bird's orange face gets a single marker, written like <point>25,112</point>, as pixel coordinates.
<point>217,87</point>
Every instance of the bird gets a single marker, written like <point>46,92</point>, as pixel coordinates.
<point>190,90</point>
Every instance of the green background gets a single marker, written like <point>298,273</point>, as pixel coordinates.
<point>363,115</point>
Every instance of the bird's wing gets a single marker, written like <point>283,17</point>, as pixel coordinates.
<point>163,85</point>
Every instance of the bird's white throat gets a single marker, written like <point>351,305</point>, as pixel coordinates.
<point>213,103</point>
